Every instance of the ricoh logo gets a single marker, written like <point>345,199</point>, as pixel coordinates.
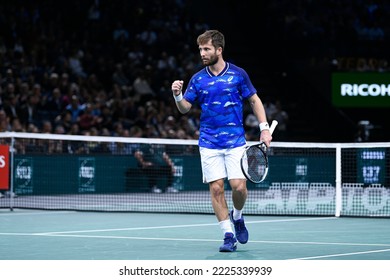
<point>365,90</point>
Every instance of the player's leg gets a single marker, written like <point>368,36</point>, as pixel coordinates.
<point>218,200</point>
<point>221,211</point>
<point>239,194</point>
<point>213,169</point>
<point>237,183</point>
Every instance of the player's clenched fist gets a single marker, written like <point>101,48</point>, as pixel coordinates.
<point>177,87</point>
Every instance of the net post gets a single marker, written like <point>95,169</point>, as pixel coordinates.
<point>12,151</point>
<point>338,198</point>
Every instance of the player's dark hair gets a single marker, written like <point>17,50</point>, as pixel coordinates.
<point>216,37</point>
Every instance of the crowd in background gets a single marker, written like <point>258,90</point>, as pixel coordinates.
<point>328,19</point>
<point>96,69</point>
<point>106,67</point>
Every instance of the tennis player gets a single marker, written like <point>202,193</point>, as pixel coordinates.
<point>220,89</point>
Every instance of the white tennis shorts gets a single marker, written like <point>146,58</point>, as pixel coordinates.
<point>218,164</point>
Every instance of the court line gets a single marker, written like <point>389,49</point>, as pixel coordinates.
<point>34,213</point>
<point>123,229</point>
<point>191,239</point>
<point>218,240</point>
<point>71,233</point>
<point>271,242</point>
<point>148,228</point>
<point>195,239</point>
<point>344,254</point>
<point>180,226</point>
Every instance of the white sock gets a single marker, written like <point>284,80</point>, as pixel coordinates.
<point>237,214</point>
<point>226,226</point>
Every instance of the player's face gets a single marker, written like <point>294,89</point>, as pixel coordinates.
<point>208,54</point>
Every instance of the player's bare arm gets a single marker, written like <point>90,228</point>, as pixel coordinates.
<point>259,112</point>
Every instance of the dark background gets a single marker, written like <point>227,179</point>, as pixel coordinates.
<point>289,48</point>
<point>295,63</point>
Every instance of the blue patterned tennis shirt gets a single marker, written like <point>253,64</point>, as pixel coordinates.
<point>221,99</point>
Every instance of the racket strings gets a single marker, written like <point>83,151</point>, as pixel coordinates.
<point>256,164</point>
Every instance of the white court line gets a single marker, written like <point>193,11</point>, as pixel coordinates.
<point>218,240</point>
<point>150,228</point>
<point>344,254</point>
<point>180,226</point>
<point>123,229</point>
<point>191,239</point>
<point>251,241</point>
<point>72,233</point>
<point>34,213</point>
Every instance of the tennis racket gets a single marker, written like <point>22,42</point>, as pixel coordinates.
<point>254,160</point>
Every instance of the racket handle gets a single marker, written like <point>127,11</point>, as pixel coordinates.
<point>273,125</point>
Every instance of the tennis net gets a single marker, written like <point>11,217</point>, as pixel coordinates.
<point>97,173</point>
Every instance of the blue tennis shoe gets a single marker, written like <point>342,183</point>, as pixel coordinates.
<point>229,243</point>
<point>240,229</point>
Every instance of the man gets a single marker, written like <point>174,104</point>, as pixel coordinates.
<point>156,163</point>
<point>220,89</point>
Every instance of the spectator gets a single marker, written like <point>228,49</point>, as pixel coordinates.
<point>269,107</point>
<point>142,88</point>
<point>87,119</point>
<point>4,122</point>
<point>47,127</point>
<point>11,107</point>
<point>16,125</point>
<point>120,33</point>
<point>251,127</point>
<point>120,148</point>
<point>29,110</point>
<point>53,104</point>
<point>148,37</point>
<point>282,117</point>
<point>75,108</point>
<point>64,120</point>
<point>75,63</point>
<point>119,77</point>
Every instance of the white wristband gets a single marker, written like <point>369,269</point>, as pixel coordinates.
<point>178,97</point>
<point>263,125</point>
